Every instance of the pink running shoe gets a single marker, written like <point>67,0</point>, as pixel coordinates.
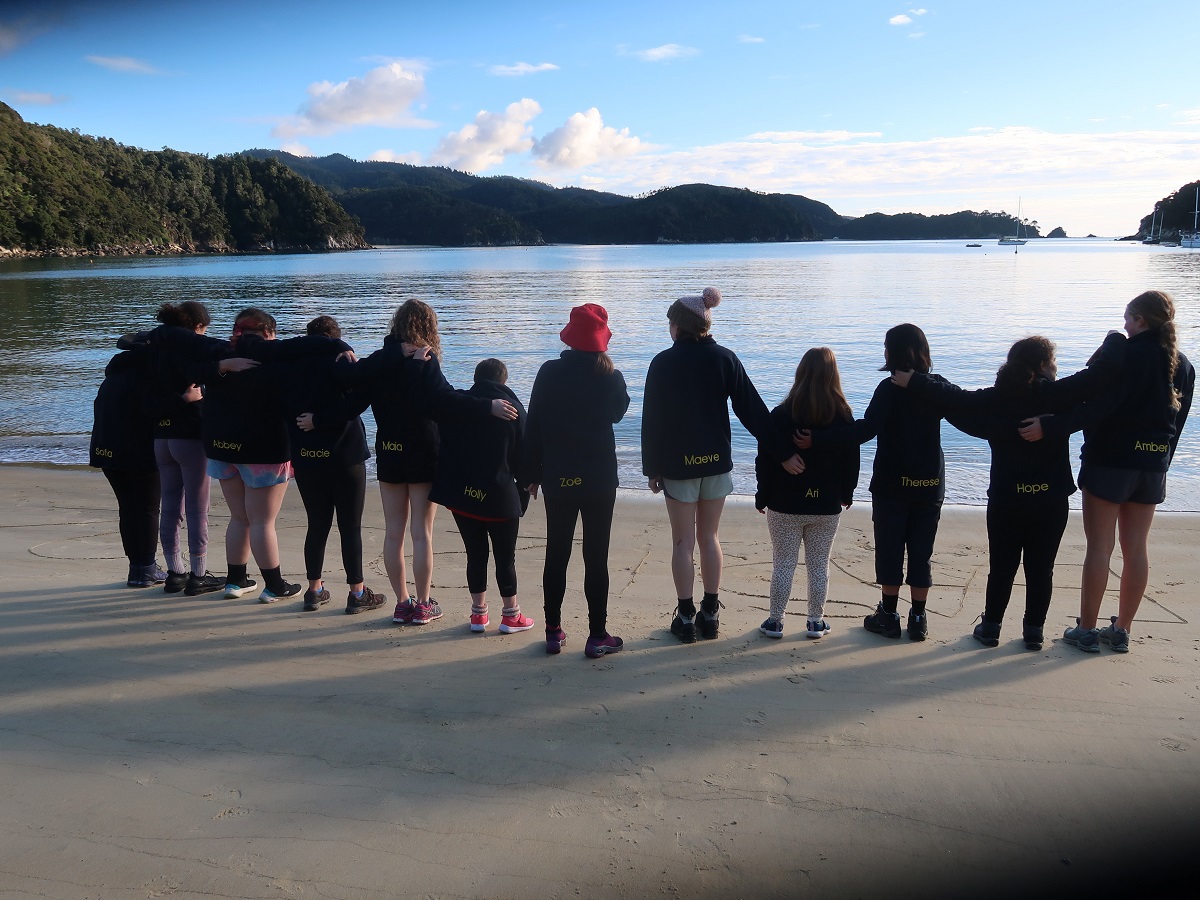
<point>556,639</point>
<point>404,611</point>
<point>513,624</point>
<point>424,613</point>
<point>479,621</point>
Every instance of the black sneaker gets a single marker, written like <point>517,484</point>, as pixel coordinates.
<point>707,623</point>
<point>1033,637</point>
<point>368,601</point>
<point>315,599</point>
<point>918,626</point>
<point>987,633</point>
<point>203,584</point>
<point>176,582</point>
<point>684,627</point>
<point>883,622</point>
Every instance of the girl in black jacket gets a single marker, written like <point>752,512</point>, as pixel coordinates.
<point>806,508</point>
<point>329,451</point>
<point>179,451</point>
<point>687,449</point>
<point>405,382</point>
<point>1129,437</point>
<point>476,480</point>
<point>122,446</point>
<point>571,454</point>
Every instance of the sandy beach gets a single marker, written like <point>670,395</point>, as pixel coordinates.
<point>158,745</point>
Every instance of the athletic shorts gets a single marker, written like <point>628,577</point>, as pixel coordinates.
<point>255,475</point>
<point>690,490</point>
<point>1123,485</point>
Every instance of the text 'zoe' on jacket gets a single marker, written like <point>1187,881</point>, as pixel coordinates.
<point>569,446</point>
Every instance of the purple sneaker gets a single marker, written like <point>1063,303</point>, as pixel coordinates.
<point>556,639</point>
<point>598,647</point>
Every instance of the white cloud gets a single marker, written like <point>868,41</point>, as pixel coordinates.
<point>1188,117</point>
<point>917,34</point>
<point>34,98</point>
<point>15,32</point>
<point>523,68</point>
<point>822,137</point>
<point>1066,179</point>
<point>413,159</point>
<point>296,149</point>
<point>124,64</point>
<point>491,137</point>
<point>665,52</point>
<point>918,12</point>
<point>750,39</point>
<point>384,96</point>
<point>583,140</point>
<point>900,20</point>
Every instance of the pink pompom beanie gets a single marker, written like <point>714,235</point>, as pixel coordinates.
<point>702,304</point>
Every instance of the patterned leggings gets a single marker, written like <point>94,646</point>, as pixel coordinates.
<point>787,533</point>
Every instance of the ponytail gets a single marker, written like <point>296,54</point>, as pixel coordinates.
<point>1023,365</point>
<point>1157,310</point>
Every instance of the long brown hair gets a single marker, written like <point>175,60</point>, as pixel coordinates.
<point>1157,310</point>
<point>416,323</point>
<point>816,397</point>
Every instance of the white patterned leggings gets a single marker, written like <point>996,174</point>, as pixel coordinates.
<point>787,533</point>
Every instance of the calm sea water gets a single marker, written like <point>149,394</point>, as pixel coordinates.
<point>61,317</point>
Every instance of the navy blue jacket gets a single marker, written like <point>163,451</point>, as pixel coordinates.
<point>477,466</point>
<point>685,413</point>
<point>570,449</point>
<point>823,488</point>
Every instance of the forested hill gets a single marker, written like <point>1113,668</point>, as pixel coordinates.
<point>916,226</point>
<point>62,192</point>
<point>403,204</point>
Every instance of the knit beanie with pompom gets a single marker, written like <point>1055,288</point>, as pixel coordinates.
<point>702,304</point>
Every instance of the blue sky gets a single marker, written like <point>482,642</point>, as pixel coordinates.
<point>1081,109</point>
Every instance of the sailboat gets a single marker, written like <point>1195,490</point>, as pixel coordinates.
<point>1016,240</point>
<point>1151,238</point>
<point>1192,238</point>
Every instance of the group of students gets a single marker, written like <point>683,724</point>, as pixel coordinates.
<point>177,407</point>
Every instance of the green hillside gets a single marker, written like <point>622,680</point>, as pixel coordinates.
<point>63,192</point>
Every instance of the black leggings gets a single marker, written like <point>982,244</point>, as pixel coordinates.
<point>475,534</point>
<point>1034,530</point>
<point>138,496</point>
<point>327,490</point>
<point>561,515</point>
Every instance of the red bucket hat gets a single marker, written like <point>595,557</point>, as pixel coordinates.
<point>588,329</point>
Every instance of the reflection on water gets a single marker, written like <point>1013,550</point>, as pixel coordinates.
<point>61,318</point>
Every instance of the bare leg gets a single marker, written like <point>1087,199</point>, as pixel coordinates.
<point>262,508</point>
<point>422,512</point>
<point>683,545</point>
<point>1133,523</point>
<point>1099,528</point>
<point>708,519</point>
<point>237,534</point>
<point>920,595</point>
<point>395,521</point>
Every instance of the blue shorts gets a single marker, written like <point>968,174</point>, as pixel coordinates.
<point>255,475</point>
<point>690,490</point>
